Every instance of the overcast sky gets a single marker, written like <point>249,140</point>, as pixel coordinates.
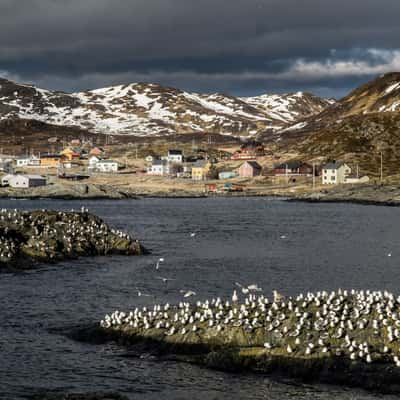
<point>241,47</point>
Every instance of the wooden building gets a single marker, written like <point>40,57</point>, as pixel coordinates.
<point>51,160</point>
<point>250,169</point>
<point>200,170</point>
<point>293,168</point>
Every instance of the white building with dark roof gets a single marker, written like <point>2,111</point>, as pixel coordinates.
<point>175,156</point>
<point>158,167</point>
<point>27,161</point>
<point>25,181</point>
<point>334,173</point>
<point>107,166</point>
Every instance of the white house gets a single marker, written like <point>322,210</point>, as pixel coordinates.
<point>23,161</point>
<point>335,173</point>
<point>107,166</point>
<point>26,181</point>
<point>158,167</point>
<point>26,161</point>
<point>93,160</point>
<point>175,156</point>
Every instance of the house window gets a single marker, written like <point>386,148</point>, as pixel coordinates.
<point>333,178</point>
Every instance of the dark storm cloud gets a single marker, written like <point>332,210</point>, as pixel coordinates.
<point>238,46</point>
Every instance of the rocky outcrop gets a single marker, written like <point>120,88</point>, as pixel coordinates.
<point>349,338</point>
<point>366,193</point>
<point>50,236</point>
<point>65,191</point>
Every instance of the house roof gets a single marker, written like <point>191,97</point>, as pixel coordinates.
<point>333,165</point>
<point>250,143</point>
<point>29,176</point>
<point>253,164</point>
<point>290,165</point>
<point>107,162</point>
<point>97,150</point>
<point>51,156</point>
<point>159,162</point>
<point>200,163</point>
<point>175,152</point>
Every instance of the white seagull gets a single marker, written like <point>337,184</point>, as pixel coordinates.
<point>251,288</point>
<point>165,280</point>
<point>160,260</point>
<point>188,293</point>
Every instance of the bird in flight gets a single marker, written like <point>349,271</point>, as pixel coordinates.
<point>188,293</point>
<point>159,261</point>
<point>165,280</point>
<point>247,289</point>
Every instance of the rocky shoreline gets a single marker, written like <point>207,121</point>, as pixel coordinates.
<point>365,194</point>
<point>42,236</point>
<point>344,338</point>
<point>76,396</point>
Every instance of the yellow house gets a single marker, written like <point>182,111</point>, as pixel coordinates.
<point>200,170</point>
<point>70,154</point>
<point>51,160</point>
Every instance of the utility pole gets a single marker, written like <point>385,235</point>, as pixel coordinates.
<point>313,175</point>
<point>358,174</point>
<point>381,166</point>
<point>286,174</point>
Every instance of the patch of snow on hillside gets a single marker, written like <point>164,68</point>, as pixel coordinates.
<point>393,87</point>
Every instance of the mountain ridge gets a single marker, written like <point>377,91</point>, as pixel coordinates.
<point>148,109</point>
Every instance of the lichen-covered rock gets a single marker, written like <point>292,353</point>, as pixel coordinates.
<point>50,236</point>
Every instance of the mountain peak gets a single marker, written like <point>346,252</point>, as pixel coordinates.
<point>150,109</point>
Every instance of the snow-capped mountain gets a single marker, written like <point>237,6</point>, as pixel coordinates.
<point>379,96</point>
<point>152,110</point>
<point>289,108</point>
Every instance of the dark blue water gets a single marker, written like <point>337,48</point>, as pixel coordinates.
<point>325,246</point>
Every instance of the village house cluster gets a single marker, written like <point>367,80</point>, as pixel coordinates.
<point>70,157</point>
<point>175,164</point>
<point>201,165</point>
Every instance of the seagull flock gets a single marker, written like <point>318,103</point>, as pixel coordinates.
<point>49,232</point>
<point>360,325</point>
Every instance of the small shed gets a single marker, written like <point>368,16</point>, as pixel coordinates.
<point>227,175</point>
<point>249,169</point>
